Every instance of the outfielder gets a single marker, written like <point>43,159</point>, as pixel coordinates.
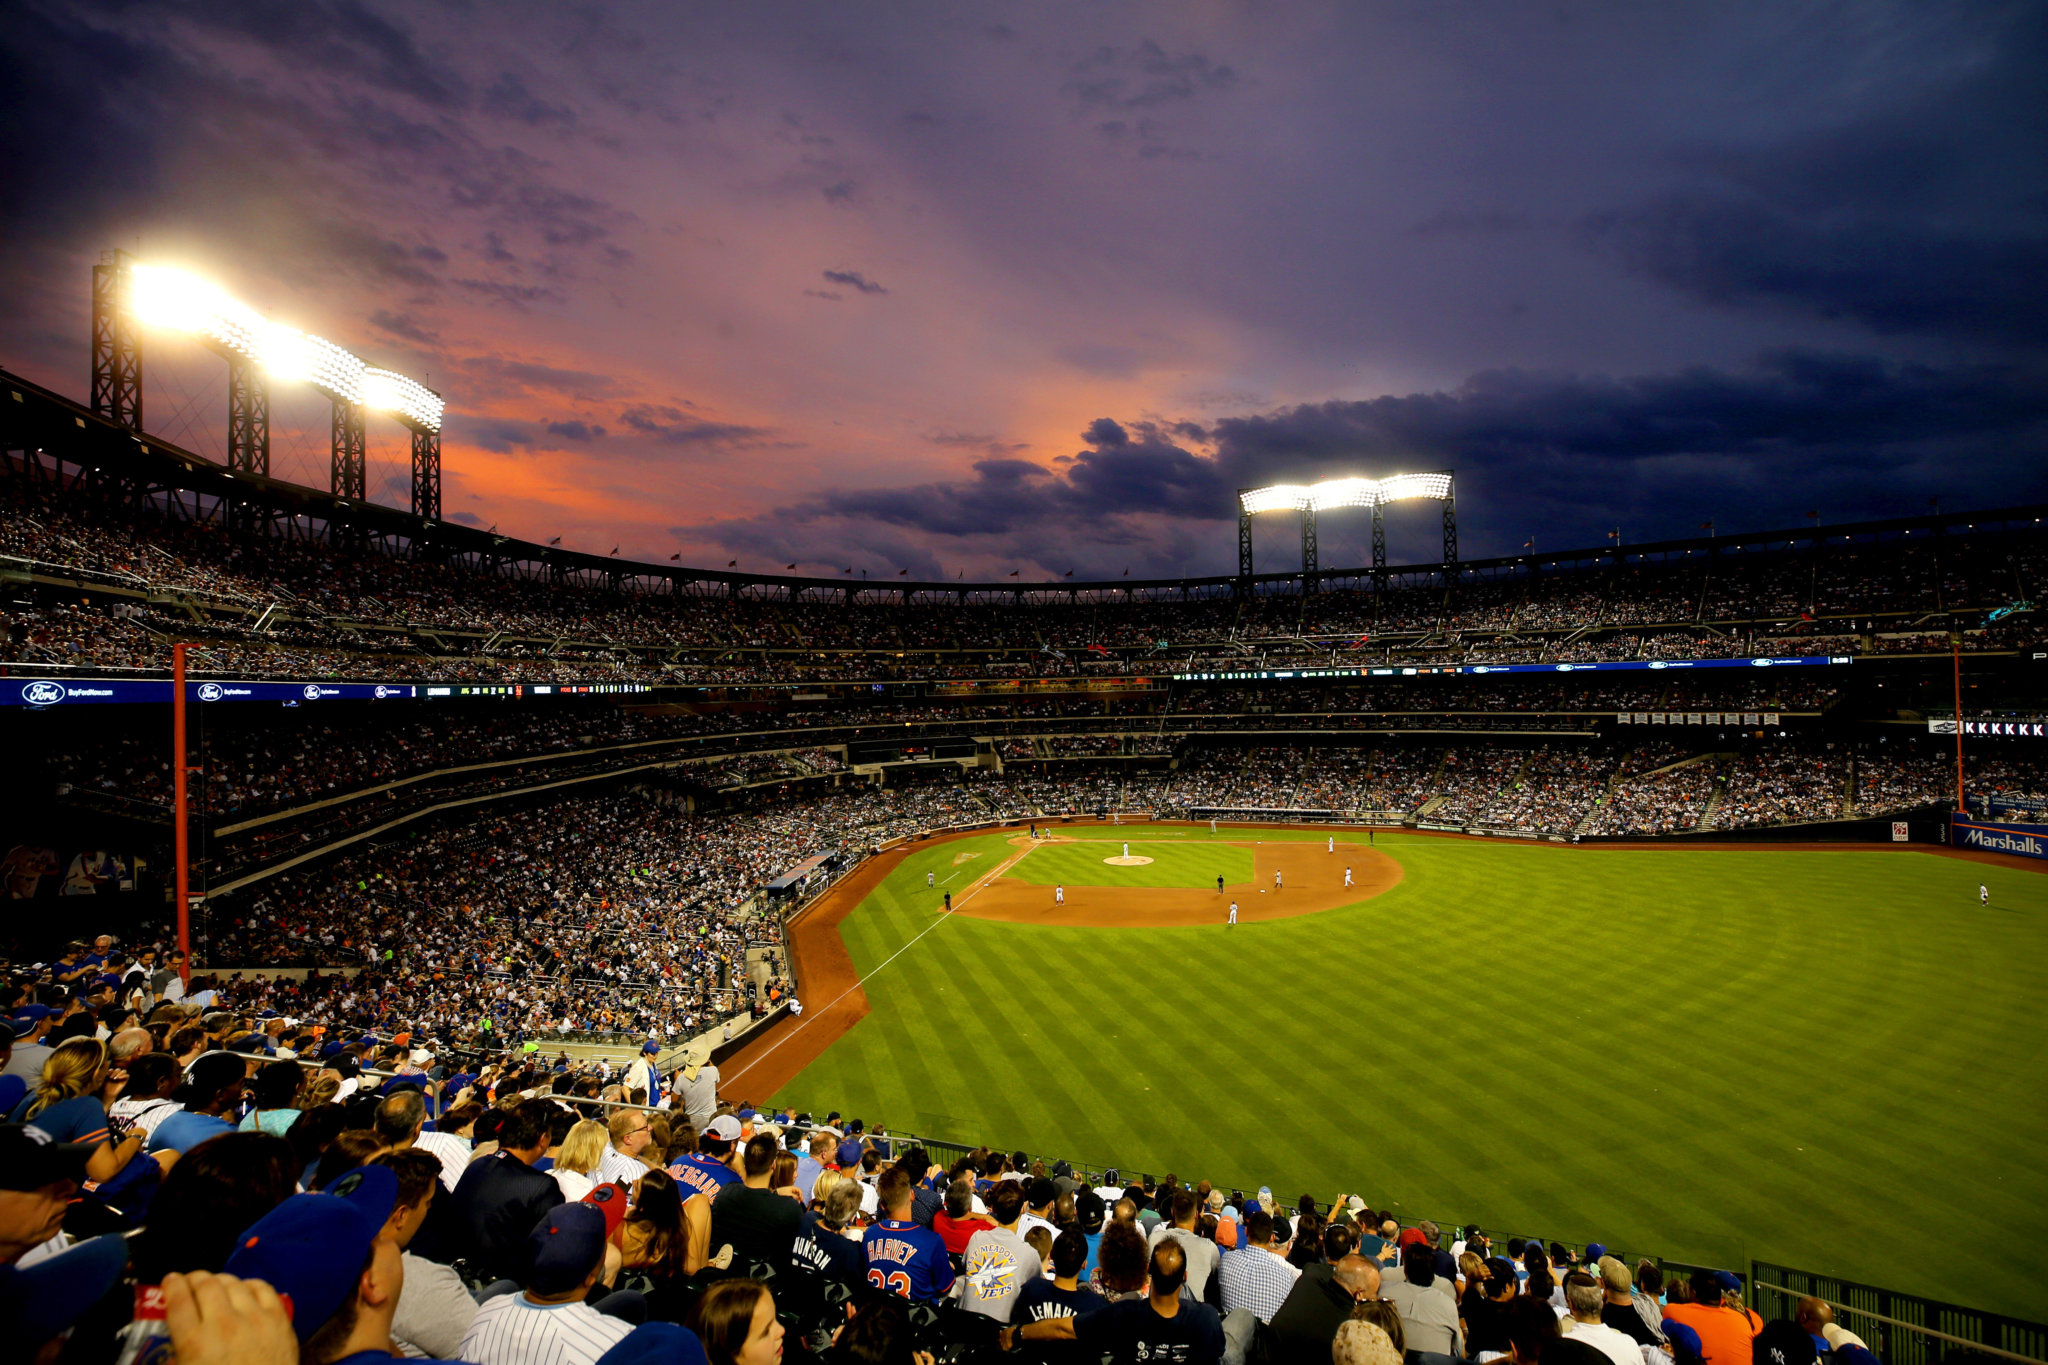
<point>1983,894</point>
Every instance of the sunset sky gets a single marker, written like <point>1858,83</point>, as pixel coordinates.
<point>968,288</point>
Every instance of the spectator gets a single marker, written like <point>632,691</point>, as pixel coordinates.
<point>276,1090</point>
<point>957,1223</point>
<point>65,1105</point>
<point>328,1255</point>
<point>710,1169</point>
<point>1059,1296</point>
<point>1256,1277</point>
<point>665,1236</point>
<point>1531,1328</point>
<point>577,1160</point>
<point>1163,1326</point>
<point>1307,1322</point>
<point>630,1133</point>
<point>1481,1312</point>
<point>1725,1333</point>
<point>434,1306</point>
<point>213,1088</point>
<point>735,1319</point>
<point>550,1322</point>
<point>1201,1251</point>
<point>493,1211</point>
<point>1121,1265</point>
<point>208,1198</point>
<point>759,1225</point>
<point>38,1178</point>
<point>1585,1303</point>
<point>909,1260</point>
<point>998,1263</point>
<point>1363,1343</point>
<point>1429,1316</point>
<point>829,1246</point>
<point>1618,1304</point>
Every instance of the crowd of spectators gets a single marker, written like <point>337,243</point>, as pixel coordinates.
<point>327,612</point>
<point>237,1183</point>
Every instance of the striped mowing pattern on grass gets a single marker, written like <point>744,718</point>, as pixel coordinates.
<point>1834,1059</point>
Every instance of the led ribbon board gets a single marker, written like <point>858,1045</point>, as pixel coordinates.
<point>1318,497</point>
<point>172,299</point>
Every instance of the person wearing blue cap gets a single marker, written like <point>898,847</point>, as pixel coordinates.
<point>549,1322</point>
<point>657,1343</point>
<point>327,1254</point>
<point>31,1023</point>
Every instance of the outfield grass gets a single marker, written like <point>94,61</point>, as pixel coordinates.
<point>1832,1060</point>
<point>1174,863</point>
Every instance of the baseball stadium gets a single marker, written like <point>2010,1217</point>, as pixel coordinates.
<point>1680,903</point>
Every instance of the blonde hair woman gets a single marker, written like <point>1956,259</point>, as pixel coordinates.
<point>66,1105</point>
<point>576,1163</point>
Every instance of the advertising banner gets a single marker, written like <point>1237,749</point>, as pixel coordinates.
<point>2028,841</point>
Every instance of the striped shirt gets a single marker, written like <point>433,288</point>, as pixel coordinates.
<point>509,1330</point>
<point>451,1151</point>
<point>617,1166</point>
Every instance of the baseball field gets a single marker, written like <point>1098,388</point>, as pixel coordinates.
<point>1834,1059</point>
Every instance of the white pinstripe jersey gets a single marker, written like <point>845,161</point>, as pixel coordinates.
<point>508,1330</point>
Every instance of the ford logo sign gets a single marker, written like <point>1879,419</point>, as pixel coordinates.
<point>1759,663</point>
<point>1656,663</point>
<point>312,692</point>
<point>42,693</point>
<point>209,691</point>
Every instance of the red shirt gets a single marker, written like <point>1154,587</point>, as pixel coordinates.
<point>957,1234</point>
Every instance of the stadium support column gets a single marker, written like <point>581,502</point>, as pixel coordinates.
<point>1308,549</point>
<point>348,475</point>
<point>426,474</point>
<point>248,416</point>
<point>116,344</point>
<point>1244,548</point>
<point>1451,532</point>
<point>182,852</point>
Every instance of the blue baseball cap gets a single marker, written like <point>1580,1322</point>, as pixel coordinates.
<point>650,1048</point>
<point>567,1244</point>
<point>33,1014</point>
<point>656,1343</point>
<point>1729,1281</point>
<point>1683,1339</point>
<point>1594,1251</point>
<point>54,1293</point>
<point>312,1247</point>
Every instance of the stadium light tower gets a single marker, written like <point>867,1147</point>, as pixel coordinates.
<point>1309,499</point>
<point>129,295</point>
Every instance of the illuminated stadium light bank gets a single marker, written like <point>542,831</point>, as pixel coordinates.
<point>1309,499</point>
<point>130,295</point>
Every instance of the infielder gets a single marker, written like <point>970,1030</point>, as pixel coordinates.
<point>1333,843</point>
<point>1059,894</point>
<point>1127,850</point>
<point>928,878</point>
<point>1347,876</point>
<point>1233,912</point>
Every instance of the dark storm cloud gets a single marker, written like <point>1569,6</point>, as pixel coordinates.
<point>340,38</point>
<point>1923,215</point>
<point>1145,76</point>
<point>853,279</point>
<point>672,426</point>
<point>1569,453</point>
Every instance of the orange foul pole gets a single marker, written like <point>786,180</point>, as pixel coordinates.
<point>178,754</point>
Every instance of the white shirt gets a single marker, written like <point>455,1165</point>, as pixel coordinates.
<point>1619,1347</point>
<point>616,1165</point>
<point>574,1184</point>
<point>509,1330</point>
<point>451,1151</point>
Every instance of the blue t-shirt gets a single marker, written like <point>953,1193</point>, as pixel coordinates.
<point>13,1090</point>
<point>702,1175</point>
<point>75,1120</point>
<point>184,1130</point>
<point>908,1260</point>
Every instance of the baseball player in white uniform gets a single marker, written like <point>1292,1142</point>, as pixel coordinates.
<point>1347,876</point>
<point>1059,894</point>
<point>1233,912</point>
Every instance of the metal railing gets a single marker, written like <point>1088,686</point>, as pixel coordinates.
<point>1901,1329</point>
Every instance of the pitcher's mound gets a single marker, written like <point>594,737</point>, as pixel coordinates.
<point>1127,862</point>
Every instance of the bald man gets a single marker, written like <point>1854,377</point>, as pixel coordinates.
<point>1307,1322</point>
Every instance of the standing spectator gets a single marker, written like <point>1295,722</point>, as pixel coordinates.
<point>696,1088</point>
